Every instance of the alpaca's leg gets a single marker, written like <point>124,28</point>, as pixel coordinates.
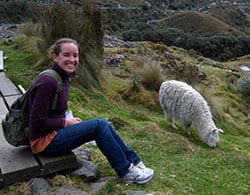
<point>187,127</point>
<point>173,124</point>
<point>170,120</point>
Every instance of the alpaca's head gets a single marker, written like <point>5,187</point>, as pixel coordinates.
<point>213,137</point>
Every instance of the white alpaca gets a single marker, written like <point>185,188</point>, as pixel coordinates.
<point>182,102</point>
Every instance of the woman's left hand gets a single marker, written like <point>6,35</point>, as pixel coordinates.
<point>72,121</point>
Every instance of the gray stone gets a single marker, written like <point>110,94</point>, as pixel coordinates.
<point>39,186</point>
<point>243,84</point>
<point>127,192</point>
<point>87,170</point>
<point>82,153</point>
<point>97,186</point>
<point>68,190</point>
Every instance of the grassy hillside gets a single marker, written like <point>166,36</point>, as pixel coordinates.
<point>226,15</point>
<point>202,23</point>
<point>182,164</point>
<point>215,29</point>
<point>235,17</point>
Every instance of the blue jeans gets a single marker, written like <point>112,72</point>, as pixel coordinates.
<point>109,142</point>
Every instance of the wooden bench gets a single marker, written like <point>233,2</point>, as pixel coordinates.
<point>1,61</point>
<point>18,164</point>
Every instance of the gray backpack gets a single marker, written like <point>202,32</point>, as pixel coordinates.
<point>16,122</point>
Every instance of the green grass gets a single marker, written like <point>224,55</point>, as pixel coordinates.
<point>18,65</point>
<point>182,164</point>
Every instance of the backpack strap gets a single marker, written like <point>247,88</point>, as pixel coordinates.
<point>52,73</point>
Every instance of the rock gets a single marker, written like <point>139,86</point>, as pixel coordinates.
<point>112,61</point>
<point>8,31</point>
<point>113,41</point>
<point>82,153</point>
<point>87,170</point>
<point>97,186</point>
<point>127,192</point>
<point>243,84</point>
<point>68,190</point>
<point>39,186</point>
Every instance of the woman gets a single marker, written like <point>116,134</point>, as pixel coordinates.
<point>52,133</point>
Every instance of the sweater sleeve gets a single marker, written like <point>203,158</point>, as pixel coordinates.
<point>41,98</point>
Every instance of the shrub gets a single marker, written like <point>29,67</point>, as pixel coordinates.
<point>135,93</point>
<point>83,25</point>
<point>150,74</point>
<point>217,47</point>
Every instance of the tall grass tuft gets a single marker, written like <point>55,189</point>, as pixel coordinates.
<point>150,74</point>
<point>214,102</point>
<point>82,24</point>
<point>90,38</point>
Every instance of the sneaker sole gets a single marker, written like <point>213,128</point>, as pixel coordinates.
<point>139,182</point>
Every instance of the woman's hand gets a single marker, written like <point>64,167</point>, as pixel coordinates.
<point>71,121</point>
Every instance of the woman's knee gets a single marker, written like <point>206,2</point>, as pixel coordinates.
<point>103,125</point>
<point>103,122</point>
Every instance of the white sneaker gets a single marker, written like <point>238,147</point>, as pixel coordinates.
<point>141,165</point>
<point>137,175</point>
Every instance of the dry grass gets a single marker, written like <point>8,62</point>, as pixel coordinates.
<point>151,76</point>
<point>190,21</point>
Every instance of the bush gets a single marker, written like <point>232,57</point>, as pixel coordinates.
<point>150,74</point>
<point>220,48</point>
<point>83,25</point>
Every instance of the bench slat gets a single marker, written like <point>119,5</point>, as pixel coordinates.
<point>2,75</point>
<point>16,164</point>
<point>7,87</point>
<point>1,61</point>
<point>10,99</point>
<point>56,164</point>
<point>3,109</point>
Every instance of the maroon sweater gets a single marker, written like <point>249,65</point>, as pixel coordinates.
<point>41,119</point>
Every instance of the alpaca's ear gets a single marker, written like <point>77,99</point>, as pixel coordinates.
<point>217,130</point>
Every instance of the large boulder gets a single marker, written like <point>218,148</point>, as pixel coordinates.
<point>243,84</point>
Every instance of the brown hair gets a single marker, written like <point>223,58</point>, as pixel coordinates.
<point>56,47</point>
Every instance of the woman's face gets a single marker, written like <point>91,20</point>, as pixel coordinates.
<point>68,57</point>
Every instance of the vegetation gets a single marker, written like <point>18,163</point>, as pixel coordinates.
<point>129,99</point>
<point>220,33</point>
<point>82,24</point>
<point>182,164</point>
<point>217,47</point>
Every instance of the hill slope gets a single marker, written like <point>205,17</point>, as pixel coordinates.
<point>182,164</point>
<point>201,23</point>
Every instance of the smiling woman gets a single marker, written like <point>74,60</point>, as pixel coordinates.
<point>52,133</point>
